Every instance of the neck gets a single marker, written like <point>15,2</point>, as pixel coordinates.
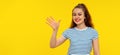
<point>81,26</point>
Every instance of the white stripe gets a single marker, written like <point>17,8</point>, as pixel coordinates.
<point>79,54</point>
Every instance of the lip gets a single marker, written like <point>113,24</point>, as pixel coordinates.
<point>77,20</point>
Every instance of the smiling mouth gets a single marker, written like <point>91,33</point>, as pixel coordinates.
<point>77,20</point>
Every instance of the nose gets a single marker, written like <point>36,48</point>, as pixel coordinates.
<point>77,17</point>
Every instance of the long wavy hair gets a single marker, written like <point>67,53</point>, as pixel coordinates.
<point>87,20</point>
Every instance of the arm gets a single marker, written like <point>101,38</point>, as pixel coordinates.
<point>53,42</point>
<point>55,25</point>
<point>96,47</point>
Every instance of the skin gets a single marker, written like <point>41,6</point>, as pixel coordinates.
<point>78,17</point>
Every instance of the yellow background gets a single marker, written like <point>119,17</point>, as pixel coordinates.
<point>23,30</point>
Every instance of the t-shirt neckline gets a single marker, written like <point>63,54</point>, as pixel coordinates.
<point>81,29</point>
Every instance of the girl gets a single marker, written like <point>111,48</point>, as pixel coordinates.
<point>81,34</point>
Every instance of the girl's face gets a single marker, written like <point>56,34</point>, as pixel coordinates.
<point>78,16</point>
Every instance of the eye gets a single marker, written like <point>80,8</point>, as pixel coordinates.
<point>73,14</point>
<point>79,14</point>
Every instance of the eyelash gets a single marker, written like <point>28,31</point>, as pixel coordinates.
<point>75,14</point>
<point>79,14</point>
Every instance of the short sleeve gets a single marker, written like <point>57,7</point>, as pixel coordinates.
<point>65,34</point>
<point>95,34</point>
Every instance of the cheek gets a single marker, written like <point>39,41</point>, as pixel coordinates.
<point>73,17</point>
<point>82,17</point>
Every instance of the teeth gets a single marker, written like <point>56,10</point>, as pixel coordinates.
<point>77,20</point>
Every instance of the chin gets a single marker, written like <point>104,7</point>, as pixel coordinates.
<point>78,23</point>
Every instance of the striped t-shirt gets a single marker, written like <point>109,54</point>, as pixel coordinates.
<point>80,39</point>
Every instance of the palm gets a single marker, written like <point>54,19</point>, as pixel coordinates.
<point>53,23</point>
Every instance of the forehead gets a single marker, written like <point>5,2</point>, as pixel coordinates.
<point>77,10</point>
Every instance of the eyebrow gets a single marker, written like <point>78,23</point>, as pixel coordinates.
<point>78,12</point>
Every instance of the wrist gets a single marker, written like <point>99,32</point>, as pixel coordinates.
<point>55,30</point>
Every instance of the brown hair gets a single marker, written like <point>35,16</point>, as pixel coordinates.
<point>88,20</point>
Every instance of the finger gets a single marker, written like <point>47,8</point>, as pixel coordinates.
<point>52,18</point>
<point>48,19</point>
<point>49,24</point>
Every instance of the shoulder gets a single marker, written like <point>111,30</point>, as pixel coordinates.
<point>69,30</point>
<point>94,33</point>
<point>92,30</point>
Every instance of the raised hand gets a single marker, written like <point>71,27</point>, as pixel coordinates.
<point>54,24</point>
